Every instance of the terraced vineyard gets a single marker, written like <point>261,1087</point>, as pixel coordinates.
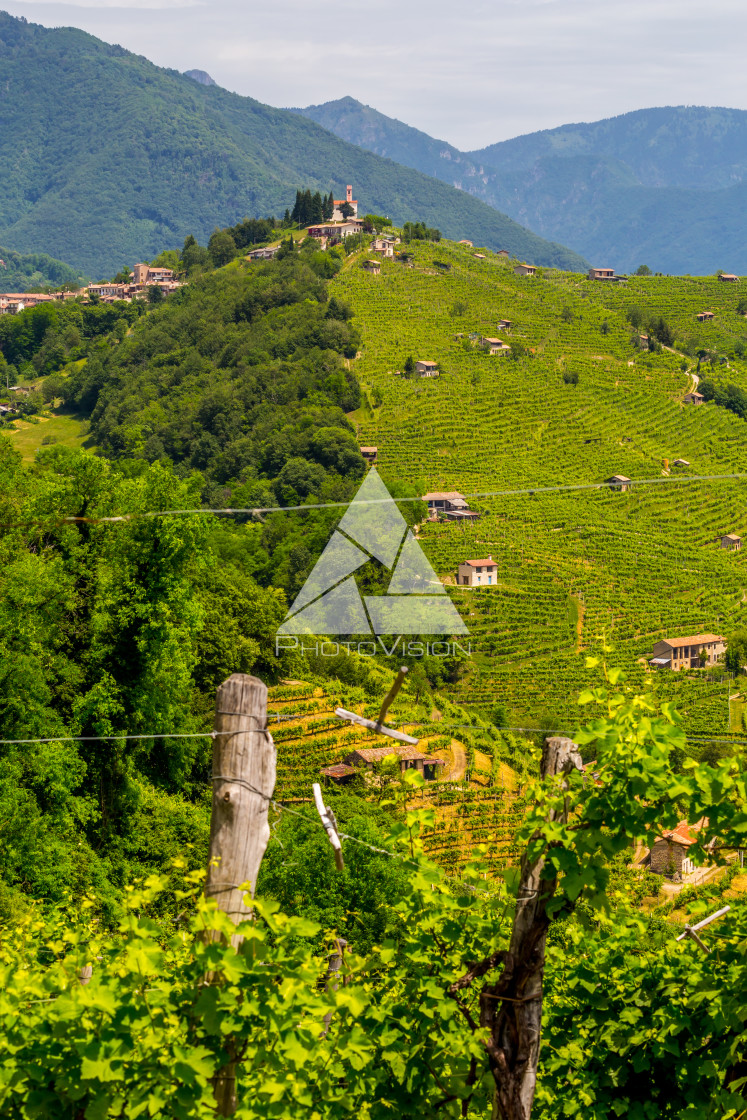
<point>482,806</point>
<point>574,565</point>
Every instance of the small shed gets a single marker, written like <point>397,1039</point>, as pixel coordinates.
<point>703,315</point>
<point>731,542</point>
<point>525,269</point>
<point>504,324</point>
<point>372,266</point>
<point>693,398</point>
<point>643,341</point>
<point>341,773</point>
<point>479,256</point>
<point>426,368</point>
<point>728,278</point>
<point>494,345</point>
<point>681,463</point>
<point>503,253</point>
<point>669,855</point>
<point>478,573</point>
<point>409,758</point>
<point>370,454</point>
<point>619,482</point>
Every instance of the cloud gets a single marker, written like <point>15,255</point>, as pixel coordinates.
<point>471,75</point>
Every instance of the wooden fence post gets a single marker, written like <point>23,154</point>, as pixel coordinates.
<point>512,1007</point>
<point>333,968</point>
<point>243,782</point>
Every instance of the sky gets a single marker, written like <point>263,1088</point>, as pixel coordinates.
<point>471,74</point>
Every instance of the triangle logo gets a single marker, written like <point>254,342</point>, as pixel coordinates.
<point>372,527</point>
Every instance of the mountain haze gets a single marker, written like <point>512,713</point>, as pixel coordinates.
<point>104,179</point>
<point>661,186</point>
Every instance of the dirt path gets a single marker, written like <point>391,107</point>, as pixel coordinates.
<point>459,765</point>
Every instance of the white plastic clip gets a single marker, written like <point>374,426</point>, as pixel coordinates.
<point>330,824</point>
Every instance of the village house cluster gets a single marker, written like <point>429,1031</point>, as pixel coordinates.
<point>144,276</point>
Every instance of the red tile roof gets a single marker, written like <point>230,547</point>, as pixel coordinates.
<point>684,833</point>
<point>693,640</point>
<point>482,563</point>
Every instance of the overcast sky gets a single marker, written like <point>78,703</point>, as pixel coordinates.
<point>470,73</point>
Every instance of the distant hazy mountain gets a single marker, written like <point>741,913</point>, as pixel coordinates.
<point>664,187</point>
<point>107,159</point>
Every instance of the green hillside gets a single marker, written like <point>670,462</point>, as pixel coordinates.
<point>163,156</point>
<point>660,186</point>
<point>23,272</point>
<point>575,566</point>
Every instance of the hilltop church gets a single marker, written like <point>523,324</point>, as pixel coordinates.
<point>337,215</point>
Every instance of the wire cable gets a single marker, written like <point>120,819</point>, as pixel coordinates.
<point>532,490</point>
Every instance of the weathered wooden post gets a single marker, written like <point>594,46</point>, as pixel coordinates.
<point>333,981</point>
<point>512,1007</point>
<point>244,771</point>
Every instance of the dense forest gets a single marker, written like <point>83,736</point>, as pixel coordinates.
<point>28,272</point>
<point>231,393</point>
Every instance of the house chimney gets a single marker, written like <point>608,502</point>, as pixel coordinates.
<point>350,194</point>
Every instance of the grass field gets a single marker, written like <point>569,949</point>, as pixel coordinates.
<point>576,566</point>
<point>58,428</point>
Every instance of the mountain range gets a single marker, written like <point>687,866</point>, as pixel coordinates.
<point>107,159</point>
<point>665,187</point>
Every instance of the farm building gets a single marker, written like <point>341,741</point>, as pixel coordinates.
<point>409,758</point>
<point>525,269</point>
<point>504,324</point>
<point>372,266</point>
<point>478,573</point>
<point>643,341</point>
<point>601,274</point>
<point>341,773</point>
<point>681,463</point>
<point>494,345</point>
<point>479,256</point>
<point>732,542</point>
<point>370,454</point>
<point>728,278</point>
<point>426,368</point>
<point>703,315</point>
<point>669,855</point>
<point>449,504</point>
<point>696,651</point>
<point>444,501</point>
<point>503,253</point>
<point>331,233</point>
<point>693,398</point>
<point>265,254</point>
<point>619,482</point>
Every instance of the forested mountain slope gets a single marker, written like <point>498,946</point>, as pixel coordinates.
<point>23,272</point>
<point>162,156</point>
<point>659,186</point>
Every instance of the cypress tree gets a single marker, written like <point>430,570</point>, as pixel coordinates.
<point>317,214</point>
